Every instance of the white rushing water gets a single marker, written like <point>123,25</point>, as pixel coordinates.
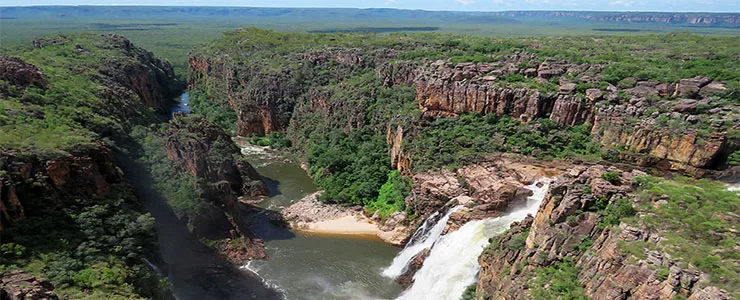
<point>422,239</point>
<point>452,264</point>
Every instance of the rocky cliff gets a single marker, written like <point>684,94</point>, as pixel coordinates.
<point>131,81</point>
<point>572,230</point>
<point>205,151</point>
<point>659,124</point>
<point>29,183</point>
<point>68,105</point>
<point>17,285</point>
<point>628,118</point>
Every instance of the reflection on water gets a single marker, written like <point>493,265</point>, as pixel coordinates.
<point>308,266</point>
<point>183,104</point>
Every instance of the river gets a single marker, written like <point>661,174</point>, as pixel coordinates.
<point>311,266</point>
<point>301,266</point>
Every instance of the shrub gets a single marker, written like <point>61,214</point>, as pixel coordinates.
<point>622,208</point>
<point>517,242</point>
<point>391,195</point>
<point>612,177</point>
<point>559,281</point>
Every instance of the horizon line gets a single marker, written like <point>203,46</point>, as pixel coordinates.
<point>367,8</point>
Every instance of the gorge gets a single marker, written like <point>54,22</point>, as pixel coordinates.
<point>485,168</point>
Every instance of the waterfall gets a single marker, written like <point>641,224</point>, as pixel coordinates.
<point>423,238</point>
<point>452,264</point>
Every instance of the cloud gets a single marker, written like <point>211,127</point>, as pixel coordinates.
<point>622,3</point>
<point>465,2</point>
<point>391,2</point>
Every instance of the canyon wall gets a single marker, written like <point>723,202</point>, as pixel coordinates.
<point>624,118</point>
<point>203,149</point>
<point>567,228</point>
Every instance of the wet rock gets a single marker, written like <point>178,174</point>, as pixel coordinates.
<point>407,277</point>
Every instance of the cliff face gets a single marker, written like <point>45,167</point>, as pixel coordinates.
<point>521,85</point>
<point>445,90</point>
<point>134,77</point>
<point>68,105</point>
<point>262,102</point>
<point>204,150</point>
<point>149,77</point>
<point>26,183</point>
<point>567,228</point>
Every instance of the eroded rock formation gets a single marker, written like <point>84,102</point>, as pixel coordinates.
<point>204,150</point>
<point>565,220</point>
<point>18,285</point>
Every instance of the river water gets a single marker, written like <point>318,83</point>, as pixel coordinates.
<point>311,266</point>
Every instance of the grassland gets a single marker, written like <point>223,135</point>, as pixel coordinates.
<point>171,32</point>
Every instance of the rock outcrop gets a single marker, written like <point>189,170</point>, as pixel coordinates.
<point>566,227</point>
<point>205,151</point>
<point>445,90</point>
<point>18,74</point>
<point>28,182</point>
<point>18,285</point>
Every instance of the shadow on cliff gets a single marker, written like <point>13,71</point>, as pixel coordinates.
<point>194,270</point>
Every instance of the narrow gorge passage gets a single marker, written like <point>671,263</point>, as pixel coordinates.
<point>194,271</point>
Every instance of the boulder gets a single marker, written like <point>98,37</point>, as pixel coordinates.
<point>690,88</point>
<point>712,89</point>
<point>686,106</point>
<point>594,94</point>
<point>407,278</point>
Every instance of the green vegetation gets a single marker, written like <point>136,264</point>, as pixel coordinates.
<point>181,189</point>
<point>612,177</point>
<point>89,247</point>
<point>613,213</point>
<point>391,195</point>
<point>91,244</point>
<point>559,281</point>
<point>698,223</point>
<point>469,293</point>
<point>459,141</point>
<point>517,242</point>
<point>173,31</point>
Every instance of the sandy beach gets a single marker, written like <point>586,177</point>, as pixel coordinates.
<point>343,225</point>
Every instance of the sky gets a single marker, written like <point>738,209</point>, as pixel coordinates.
<point>461,5</point>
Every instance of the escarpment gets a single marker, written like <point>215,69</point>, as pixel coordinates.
<point>205,151</point>
<point>666,125</point>
<point>69,105</point>
<point>572,234</point>
<point>32,177</point>
<point>28,184</point>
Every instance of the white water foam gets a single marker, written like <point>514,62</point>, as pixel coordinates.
<point>413,248</point>
<point>452,264</point>
<point>254,267</point>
